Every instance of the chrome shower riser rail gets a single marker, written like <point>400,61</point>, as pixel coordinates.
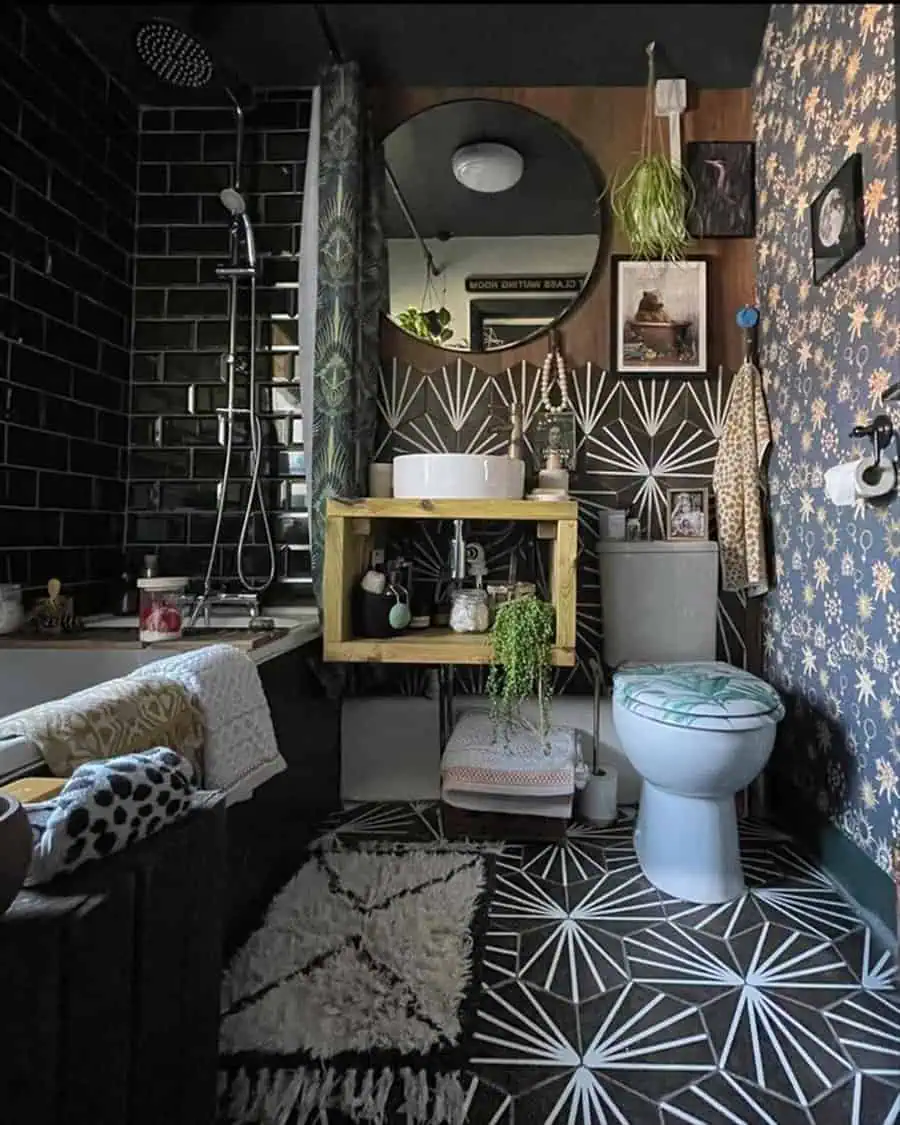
<point>236,272</point>
<point>179,59</point>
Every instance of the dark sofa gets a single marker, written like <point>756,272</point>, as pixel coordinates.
<point>109,985</point>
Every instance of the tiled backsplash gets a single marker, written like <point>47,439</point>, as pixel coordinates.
<point>635,438</point>
<point>68,152</point>
<point>181,332</point>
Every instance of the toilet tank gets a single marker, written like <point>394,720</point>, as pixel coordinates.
<point>659,600</point>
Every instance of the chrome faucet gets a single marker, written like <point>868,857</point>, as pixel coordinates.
<point>514,450</point>
<point>203,603</point>
<point>458,554</point>
<point>508,420</point>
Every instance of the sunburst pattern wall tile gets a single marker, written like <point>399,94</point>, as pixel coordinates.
<point>826,88</point>
<point>634,439</point>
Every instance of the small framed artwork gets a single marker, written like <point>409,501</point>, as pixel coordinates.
<point>687,513</point>
<point>722,174</point>
<point>837,220</point>
<point>660,316</point>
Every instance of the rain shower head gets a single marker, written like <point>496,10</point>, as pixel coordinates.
<point>173,55</point>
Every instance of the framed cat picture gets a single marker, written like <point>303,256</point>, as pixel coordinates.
<point>660,317</point>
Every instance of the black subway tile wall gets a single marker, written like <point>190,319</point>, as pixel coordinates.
<point>181,332</point>
<point>68,167</point>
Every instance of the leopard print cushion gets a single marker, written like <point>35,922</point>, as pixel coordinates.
<point>105,806</point>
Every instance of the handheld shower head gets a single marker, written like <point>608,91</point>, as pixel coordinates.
<point>233,201</point>
<point>236,205</point>
<point>173,55</point>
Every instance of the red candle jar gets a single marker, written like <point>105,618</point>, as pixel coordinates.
<point>159,608</point>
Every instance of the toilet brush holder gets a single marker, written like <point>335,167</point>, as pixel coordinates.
<point>597,801</point>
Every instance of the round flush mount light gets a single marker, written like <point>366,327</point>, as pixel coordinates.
<point>488,167</point>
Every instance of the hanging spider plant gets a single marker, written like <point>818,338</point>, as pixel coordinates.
<point>433,325</point>
<point>651,200</point>
<point>432,320</point>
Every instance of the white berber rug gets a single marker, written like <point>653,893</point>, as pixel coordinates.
<point>349,998</point>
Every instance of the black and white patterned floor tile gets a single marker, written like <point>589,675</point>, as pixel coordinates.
<point>605,1002</point>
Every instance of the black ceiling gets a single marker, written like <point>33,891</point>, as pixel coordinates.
<point>712,45</point>
<point>556,195</point>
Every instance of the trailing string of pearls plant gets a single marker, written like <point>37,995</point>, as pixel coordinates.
<point>555,360</point>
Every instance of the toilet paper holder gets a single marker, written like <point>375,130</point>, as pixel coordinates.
<point>881,432</point>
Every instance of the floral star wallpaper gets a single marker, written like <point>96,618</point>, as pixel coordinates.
<point>824,89</point>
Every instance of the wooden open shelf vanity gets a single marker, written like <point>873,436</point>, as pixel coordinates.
<point>348,545</point>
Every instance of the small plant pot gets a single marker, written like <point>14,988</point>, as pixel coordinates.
<point>15,849</point>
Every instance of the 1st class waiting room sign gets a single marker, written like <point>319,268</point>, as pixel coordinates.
<point>559,283</point>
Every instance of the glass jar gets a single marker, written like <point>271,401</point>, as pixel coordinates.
<point>469,611</point>
<point>12,615</point>
<point>159,609</point>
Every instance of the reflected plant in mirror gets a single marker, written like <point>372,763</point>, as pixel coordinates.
<point>476,215</point>
<point>433,325</point>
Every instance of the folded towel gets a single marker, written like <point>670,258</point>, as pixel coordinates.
<point>476,730</point>
<point>122,716</point>
<point>241,751</point>
<point>480,758</point>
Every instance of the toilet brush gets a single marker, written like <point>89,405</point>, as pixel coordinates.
<point>597,801</point>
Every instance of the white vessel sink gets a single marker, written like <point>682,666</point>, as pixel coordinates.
<point>458,476</point>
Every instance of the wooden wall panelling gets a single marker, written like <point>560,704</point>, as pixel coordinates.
<point>607,122</point>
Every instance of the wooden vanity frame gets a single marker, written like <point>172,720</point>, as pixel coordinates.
<point>348,546</point>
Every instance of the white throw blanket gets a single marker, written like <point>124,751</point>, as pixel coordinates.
<point>240,751</point>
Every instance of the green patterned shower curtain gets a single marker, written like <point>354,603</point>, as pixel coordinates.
<point>352,281</point>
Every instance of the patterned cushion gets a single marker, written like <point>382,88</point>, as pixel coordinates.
<point>704,696</point>
<point>105,806</point>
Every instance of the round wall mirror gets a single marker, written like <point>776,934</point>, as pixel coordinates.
<point>491,224</point>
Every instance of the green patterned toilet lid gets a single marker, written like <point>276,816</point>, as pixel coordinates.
<point>694,694</point>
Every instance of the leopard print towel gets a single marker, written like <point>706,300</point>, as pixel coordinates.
<point>738,485</point>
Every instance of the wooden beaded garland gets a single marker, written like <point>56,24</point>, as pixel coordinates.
<point>554,358</point>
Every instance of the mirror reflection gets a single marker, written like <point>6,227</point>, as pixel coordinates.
<point>491,224</point>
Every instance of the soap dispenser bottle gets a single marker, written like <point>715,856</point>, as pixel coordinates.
<point>553,477</point>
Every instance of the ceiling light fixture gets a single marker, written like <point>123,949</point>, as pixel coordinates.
<point>488,167</point>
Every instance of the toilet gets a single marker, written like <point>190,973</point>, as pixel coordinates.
<point>696,730</point>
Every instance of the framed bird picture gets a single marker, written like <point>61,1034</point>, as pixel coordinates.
<point>725,203</point>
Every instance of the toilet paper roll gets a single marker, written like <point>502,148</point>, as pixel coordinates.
<point>597,801</point>
<point>873,479</point>
<point>840,483</point>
